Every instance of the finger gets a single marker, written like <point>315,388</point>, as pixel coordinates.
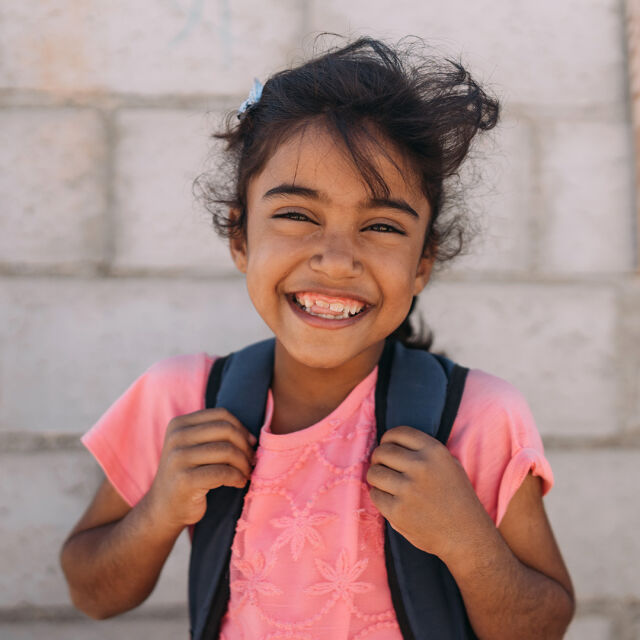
<point>385,479</point>
<point>212,415</point>
<point>406,437</point>
<point>394,456</point>
<point>211,476</point>
<point>222,452</point>
<point>218,431</point>
<point>382,500</point>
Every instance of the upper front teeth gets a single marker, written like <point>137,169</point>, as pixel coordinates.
<point>308,302</point>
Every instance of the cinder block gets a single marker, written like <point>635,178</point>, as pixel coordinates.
<point>586,224</point>
<point>629,361</point>
<point>126,627</point>
<point>590,627</point>
<point>45,494</point>
<point>556,343</point>
<point>146,48</point>
<point>51,188</point>
<point>593,512</point>
<point>497,183</point>
<point>159,224</point>
<point>70,347</point>
<point>540,53</point>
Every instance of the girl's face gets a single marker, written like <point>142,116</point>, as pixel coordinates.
<point>330,270</point>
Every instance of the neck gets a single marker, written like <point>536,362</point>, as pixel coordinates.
<point>304,395</point>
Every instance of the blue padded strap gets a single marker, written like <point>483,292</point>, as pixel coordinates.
<point>243,387</point>
<point>417,390</point>
<point>246,378</point>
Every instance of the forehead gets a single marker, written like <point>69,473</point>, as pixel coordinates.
<point>315,157</point>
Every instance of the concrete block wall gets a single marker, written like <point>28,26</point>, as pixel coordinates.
<point>107,265</point>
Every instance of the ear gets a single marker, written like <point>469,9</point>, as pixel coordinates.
<point>423,273</point>
<point>238,246</point>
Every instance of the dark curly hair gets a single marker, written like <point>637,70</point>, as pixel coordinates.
<point>429,109</point>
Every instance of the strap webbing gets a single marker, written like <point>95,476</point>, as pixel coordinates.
<point>213,384</point>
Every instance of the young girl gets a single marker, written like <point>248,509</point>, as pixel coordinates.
<point>335,218</point>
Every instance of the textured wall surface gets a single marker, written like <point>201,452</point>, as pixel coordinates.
<point>107,265</point>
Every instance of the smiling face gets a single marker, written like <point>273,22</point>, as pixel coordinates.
<point>331,270</point>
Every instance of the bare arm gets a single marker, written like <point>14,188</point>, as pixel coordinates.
<point>513,580</point>
<point>515,583</point>
<point>114,555</point>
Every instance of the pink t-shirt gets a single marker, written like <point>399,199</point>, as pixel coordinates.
<point>307,559</point>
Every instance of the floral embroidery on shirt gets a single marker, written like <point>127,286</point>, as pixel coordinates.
<point>341,579</point>
<point>371,530</point>
<point>255,582</point>
<point>299,529</point>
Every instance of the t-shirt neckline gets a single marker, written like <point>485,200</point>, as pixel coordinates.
<point>323,427</point>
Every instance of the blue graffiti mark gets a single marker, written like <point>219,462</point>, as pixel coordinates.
<point>194,16</point>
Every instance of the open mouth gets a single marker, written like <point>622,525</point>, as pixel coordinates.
<point>327,307</point>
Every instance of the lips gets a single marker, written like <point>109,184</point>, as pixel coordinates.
<point>328,311</point>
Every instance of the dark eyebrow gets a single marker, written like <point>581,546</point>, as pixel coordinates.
<point>293,190</point>
<point>392,203</point>
<point>308,192</point>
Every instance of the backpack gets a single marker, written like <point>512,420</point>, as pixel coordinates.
<point>414,388</point>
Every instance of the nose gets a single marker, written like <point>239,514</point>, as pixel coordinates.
<point>336,258</point>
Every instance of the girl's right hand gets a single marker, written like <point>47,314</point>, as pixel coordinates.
<point>202,451</point>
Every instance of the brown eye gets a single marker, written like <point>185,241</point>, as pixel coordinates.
<point>294,215</point>
<point>385,228</point>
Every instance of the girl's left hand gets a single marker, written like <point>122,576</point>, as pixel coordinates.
<point>425,494</point>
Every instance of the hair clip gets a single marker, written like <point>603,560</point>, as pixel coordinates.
<point>253,97</point>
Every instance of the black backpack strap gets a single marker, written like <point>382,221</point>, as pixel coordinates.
<point>423,392</point>
<point>455,387</point>
<point>382,387</point>
<point>398,403</point>
<point>457,377</point>
<point>238,382</point>
<point>213,383</point>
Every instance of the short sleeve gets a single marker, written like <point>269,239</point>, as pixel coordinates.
<point>495,438</point>
<point>127,440</point>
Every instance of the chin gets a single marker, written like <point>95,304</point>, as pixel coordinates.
<point>325,354</point>
<point>319,357</point>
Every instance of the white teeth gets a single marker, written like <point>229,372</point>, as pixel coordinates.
<point>344,309</point>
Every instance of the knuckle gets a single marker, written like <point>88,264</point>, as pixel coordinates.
<point>172,429</point>
<point>225,416</point>
<point>221,447</point>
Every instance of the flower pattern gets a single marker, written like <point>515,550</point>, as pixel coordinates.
<point>372,528</point>
<point>301,529</point>
<point>341,579</point>
<point>254,581</point>
<point>307,558</point>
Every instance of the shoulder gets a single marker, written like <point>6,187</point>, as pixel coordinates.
<point>492,406</point>
<point>484,391</point>
<point>127,439</point>
<point>495,438</point>
<point>177,373</point>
